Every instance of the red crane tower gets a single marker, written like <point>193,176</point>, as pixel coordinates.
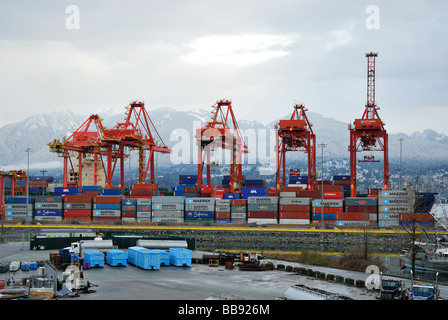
<point>14,176</point>
<point>296,134</point>
<point>86,140</point>
<point>134,132</point>
<point>368,133</point>
<point>218,134</point>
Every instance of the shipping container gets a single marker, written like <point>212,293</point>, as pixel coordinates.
<point>327,203</point>
<point>168,214</point>
<point>107,199</point>
<point>144,258</point>
<point>78,205</point>
<point>199,214</point>
<point>261,207</point>
<point>168,199</point>
<point>295,201</point>
<point>48,205</point>
<point>294,215</point>
<point>262,214</point>
<point>106,213</point>
<point>294,221</point>
<point>167,220</point>
<point>262,200</point>
<point>295,208</point>
<point>167,206</point>
<point>262,221</point>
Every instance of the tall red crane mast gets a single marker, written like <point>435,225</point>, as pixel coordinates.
<point>368,133</point>
<point>85,140</point>
<point>296,134</point>
<point>221,132</point>
<point>134,133</point>
<point>14,176</point>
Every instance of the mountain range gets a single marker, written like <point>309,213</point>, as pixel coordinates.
<point>37,131</point>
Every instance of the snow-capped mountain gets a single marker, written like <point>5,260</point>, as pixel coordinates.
<point>37,131</point>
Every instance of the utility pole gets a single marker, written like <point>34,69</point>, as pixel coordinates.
<point>28,150</point>
<point>401,164</point>
<point>43,181</point>
<point>322,145</point>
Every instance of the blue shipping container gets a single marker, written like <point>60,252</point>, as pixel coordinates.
<point>107,206</point>
<point>18,200</point>
<point>199,214</point>
<point>48,212</point>
<point>327,216</point>
<point>111,192</point>
<point>180,257</point>
<point>231,195</point>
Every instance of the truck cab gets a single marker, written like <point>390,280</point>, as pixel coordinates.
<point>424,292</point>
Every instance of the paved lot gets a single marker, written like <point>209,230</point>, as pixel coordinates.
<point>198,282</point>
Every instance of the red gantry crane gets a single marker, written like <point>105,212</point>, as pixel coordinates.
<point>135,133</point>
<point>14,176</point>
<point>86,140</point>
<point>296,134</point>
<point>368,133</point>
<point>221,132</point>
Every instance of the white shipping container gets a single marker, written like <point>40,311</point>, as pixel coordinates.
<point>294,221</point>
<point>262,221</point>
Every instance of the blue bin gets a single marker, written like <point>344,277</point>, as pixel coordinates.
<point>94,258</point>
<point>180,257</point>
<point>116,258</point>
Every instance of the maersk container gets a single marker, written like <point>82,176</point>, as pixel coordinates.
<point>328,203</point>
<point>395,209</point>
<point>48,205</point>
<point>180,257</point>
<point>200,207</point>
<point>167,199</point>
<point>94,258</point>
<point>116,258</point>
<point>144,202</point>
<point>78,205</point>
<point>262,200</point>
<point>106,213</point>
<point>200,201</point>
<point>393,193</point>
<point>168,206</point>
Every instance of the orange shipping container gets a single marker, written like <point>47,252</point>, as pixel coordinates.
<point>222,215</point>
<point>295,208</point>
<point>294,215</point>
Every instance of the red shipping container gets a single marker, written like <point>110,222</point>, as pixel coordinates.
<point>191,190</point>
<point>144,186</point>
<point>262,214</point>
<point>295,208</point>
<point>328,210</point>
<point>368,209</point>
<point>76,218</point>
<point>238,202</point>
<point>92,193</point>
<point>318,222</point>
<point>294,215</point>
<point>142,192</point>
<point>222,215</point>
<point>140,197</point>
<point>330,188</point>
<point>129,214</point>
<point>107,199</point>
<point>333,195</point>
<point>423,217</point>
<point>360,216</point>
<point>272,192</point>
<point>315,194</point>
<point>77,212</point>
<point>83,199</point>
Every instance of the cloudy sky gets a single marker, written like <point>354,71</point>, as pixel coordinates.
<point>264,55</point>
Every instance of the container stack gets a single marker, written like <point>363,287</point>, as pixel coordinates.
<point>144,210</point>
<point>48,208</point>
<point>143,190</point>
<point>298,181</point>
<point>360,211</point>
<point>294,210</point>
<point>77,208</point>
<point>331,192</point>
<point>222,211</point>
<point>238,211</point>
<point>106,208</point>
<point>91,190</point>
<point>16,208</point>
<point>188,180</point>
<point>262,210</point>
<point>129,210</point>
<point>191,192</point>
<point>343,181</point>
<point>39,183</point>
<point>168,209</point>
<point>391,203</point>
<point>200,210</point>
<point>329,208</point>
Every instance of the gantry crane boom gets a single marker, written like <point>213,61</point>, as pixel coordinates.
<point>135,132</point>
<point>296,134</point>
<point>368,133</point>
<point>221,132</point>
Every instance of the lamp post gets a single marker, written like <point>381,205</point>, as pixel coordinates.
<point>322,145</point>
<point>28,150</point>
<point>401,169</point>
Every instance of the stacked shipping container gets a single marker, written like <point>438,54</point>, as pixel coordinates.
<point>200,209</point>
<point>262,210</point>
<point>168,209</point>
<point>222,211</point>
<point>238,211</point>
<point>16,208</point>
<point>48,208</point>
<point>77,208</point>
<point>293,210</point>
<point>106,208</point>
<point>390,204</point>
<point>144,210</point>
<point>361,211</point>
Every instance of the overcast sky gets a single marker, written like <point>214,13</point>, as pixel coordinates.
<point>263,55</point>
